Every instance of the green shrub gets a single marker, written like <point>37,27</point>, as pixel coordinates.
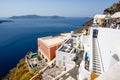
<point>39,58</point>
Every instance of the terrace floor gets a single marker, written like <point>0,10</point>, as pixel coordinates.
<point>51,73</point>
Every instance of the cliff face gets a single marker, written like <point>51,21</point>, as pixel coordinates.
<point>112,9</point>
<point>20,72</point>
<point>85,26</point>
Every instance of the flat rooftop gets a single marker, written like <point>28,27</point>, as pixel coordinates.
<point>67,47</point>
<point>54,40</point>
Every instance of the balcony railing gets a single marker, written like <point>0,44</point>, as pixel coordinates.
<point>84,74</point>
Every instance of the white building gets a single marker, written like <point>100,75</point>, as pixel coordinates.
<point>101,52</point>
<point>116,15</point>
<point>67,52</point>
<point>112,74</point>
<point>97,17</point>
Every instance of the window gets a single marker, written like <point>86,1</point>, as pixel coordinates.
<point>46,60</point>
<point>59,62</point>
<point>42,56</point>
<point>95,33</point>
<point>63,63</point>
<point>63,57</point>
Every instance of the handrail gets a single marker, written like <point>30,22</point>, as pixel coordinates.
<point>100,54</point>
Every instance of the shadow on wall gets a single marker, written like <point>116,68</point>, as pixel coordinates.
<point>114,60</point>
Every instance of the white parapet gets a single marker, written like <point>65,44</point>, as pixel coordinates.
<point>70,66</point>
<point>83,73</point>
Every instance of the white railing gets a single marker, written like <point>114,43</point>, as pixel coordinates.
<point>72,63</point>
<point>83,73</point>
<point>42,70</point>
<point>91,52</point>
<point>100,57</point>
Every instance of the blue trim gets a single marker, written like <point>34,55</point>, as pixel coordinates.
<point>86,56</point>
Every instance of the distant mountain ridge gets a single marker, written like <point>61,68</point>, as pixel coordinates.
<point>2,21</point>
<point>33,17</point>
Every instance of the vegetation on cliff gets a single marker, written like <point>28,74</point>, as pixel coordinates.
<point>20,72</point>
<point>112,9</point>
<point>85,26</point>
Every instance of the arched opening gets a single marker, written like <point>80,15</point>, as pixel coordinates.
<point>114,60</point>
<point>95,33</point>
<point>116,57</point>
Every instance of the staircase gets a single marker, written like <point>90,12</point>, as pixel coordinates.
<point>96,59</point>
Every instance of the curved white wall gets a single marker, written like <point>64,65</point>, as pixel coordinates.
<point>83,73</point>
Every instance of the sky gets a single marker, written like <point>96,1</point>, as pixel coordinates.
<point>66,8</point>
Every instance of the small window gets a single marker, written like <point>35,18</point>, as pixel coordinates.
<point>95,33</point>
<point>63,63</point>
<point>59,62</point>
<point>42,56</point>
<point>63,57</point>
<point>46,60</point>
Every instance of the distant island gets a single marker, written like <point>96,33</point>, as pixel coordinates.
<point>34,17</point>
<point>2,21</point>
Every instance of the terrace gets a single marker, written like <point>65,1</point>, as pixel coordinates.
<point>52,72</point>
<point>34,61</point>
<point>69,46</point>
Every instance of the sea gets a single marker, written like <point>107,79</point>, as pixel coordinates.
<point>19,37</point>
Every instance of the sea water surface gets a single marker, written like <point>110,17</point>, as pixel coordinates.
<point>20,36</point>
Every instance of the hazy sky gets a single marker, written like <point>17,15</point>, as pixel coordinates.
<point>69,8</point>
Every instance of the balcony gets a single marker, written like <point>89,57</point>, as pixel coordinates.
<point>68,46</point>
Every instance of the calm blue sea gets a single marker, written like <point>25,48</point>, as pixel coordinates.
<point>20,36</point>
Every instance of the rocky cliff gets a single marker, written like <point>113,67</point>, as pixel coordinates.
<point>112,9</point>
